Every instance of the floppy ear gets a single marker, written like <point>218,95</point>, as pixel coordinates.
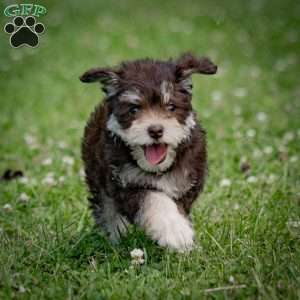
<point>187,64</point>
<point>109,79</point>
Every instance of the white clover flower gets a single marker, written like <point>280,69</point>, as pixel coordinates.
<point>29,139</point>
<point>271,178</point>
<point>61,179</point>
<point>294,159</point>
<point>261,117</point>
<point>62,145</point>
<point>240,92</point>
<point>282,148</point>
<point>237,110</point>
<point>7,207</point>
<point>137,256</point>
<point>236,206</point>
<point>47,161</point>
<point>252,179</point>
<point>255,72</point>
<point>216,96</point>
<point>251,133</point>
<point>26,181</point>
<point>33,181</point>
<point>263,177</point>
<point>49,180</point>
<point>243,159</point>
<point>225,182</point>
<point>268,150</point>
<point>257,153</point>
<point>295,224</point>
<point>23,180</point>
<point>288,136</point>
<point>231,279</point>
<point>137,253</point>
<point>24,198</point>
<point>68,160</point>
<point>138,261</point>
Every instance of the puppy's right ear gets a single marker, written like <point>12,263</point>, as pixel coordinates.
<point>109,79</point>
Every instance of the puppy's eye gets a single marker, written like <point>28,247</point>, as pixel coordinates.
<point>171,107</point>
<point>134,109</point>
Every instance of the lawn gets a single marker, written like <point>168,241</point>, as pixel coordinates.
<point>247,220</point>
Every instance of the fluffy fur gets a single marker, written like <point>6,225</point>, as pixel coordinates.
<point>147,106</point>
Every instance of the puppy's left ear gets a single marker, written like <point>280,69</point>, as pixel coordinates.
<point>109,79</point>
<point>187,64</point>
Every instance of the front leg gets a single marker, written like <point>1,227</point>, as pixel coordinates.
<point>162,221</point>
<point>109,219</point>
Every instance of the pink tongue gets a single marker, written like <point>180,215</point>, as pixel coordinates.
<point>155,153</point>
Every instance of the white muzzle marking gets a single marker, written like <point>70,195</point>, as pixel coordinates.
<point>136,137</point>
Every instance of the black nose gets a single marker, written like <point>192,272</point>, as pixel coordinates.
<point>156,131</point>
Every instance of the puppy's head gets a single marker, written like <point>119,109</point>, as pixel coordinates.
<point>150,105</point>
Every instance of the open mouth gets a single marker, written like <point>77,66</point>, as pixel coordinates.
<point>155,153</point>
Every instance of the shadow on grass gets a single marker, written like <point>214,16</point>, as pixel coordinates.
<point>91,245</point>
<point>67,250</point>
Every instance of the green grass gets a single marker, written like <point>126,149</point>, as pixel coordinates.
<point>247,233</point>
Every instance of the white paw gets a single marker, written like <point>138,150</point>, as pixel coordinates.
<point>176,234</point>
<point>161,219</point>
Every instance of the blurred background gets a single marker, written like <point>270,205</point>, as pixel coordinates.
<point>256,46</point>
<point>250,109</point>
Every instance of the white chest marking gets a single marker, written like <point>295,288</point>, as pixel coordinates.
<point>173,184</point>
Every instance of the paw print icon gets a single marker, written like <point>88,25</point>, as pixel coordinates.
<point>24,31</point>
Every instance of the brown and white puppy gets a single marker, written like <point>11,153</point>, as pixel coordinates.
<point>144,150</point>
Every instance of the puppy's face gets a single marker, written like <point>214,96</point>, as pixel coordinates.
<point>152,122</point>
<point>150,106</point>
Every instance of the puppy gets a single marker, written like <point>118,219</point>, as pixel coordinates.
<point>144,150</point>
